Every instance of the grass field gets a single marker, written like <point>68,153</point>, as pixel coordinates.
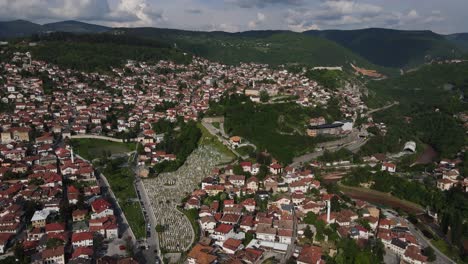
<point>380,198</point>
<point>450,252</point>
<point>120,181</point>
<point>208,139</point>
<point>95,148</point>
<point>245,150</point>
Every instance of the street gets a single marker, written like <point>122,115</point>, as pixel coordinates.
<point>153,252</point>
<point>441,257</point>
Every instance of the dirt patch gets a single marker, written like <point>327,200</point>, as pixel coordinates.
<point>380,198</point>
<point>427,156</point>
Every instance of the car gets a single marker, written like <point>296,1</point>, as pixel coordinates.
<point>122,247</point>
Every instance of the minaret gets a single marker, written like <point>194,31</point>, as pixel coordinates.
<point>328,211</point>
<point>72,155</point>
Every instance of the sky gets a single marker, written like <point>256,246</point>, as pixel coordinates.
<point>441,16</point>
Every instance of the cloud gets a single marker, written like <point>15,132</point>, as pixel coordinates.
<point>258,21</point>
<point>264,3</point>
<point>52,9</point>
<point>346,14</point>
<point>195,11</point>
<point>124,13</point>
<point>135,13</point>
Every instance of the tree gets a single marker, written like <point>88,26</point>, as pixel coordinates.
<point>264,96</point>
<point>160,228</point>
<point>429,253</point>
<point>308,232</point>
<point>54,242</point>
<point>248,237</point>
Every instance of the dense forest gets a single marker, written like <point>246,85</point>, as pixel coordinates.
<point>99,52</point>
<point>428,97</point>
<point>277,128</point>
<point>180,142</point>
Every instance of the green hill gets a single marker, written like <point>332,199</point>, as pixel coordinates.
<point>18,28</point>
<point>429,98</point>
<point>271,47</point>
<point>460,40</point>
<point>393,48</point>
<point>75,27</point>
<point>99,52</point>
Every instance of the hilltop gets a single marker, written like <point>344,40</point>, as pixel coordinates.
<point>372,48</point>
<point>269,47</point>
<point>393,48</point>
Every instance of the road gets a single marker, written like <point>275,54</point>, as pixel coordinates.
<point>153,252</point>
<point>214,131</point>
<point>382,108</point>
<point>354,146</point>
<point>292,246</point>
<point>441,257</point>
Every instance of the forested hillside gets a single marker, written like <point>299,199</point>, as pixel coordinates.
<point>428,100</point>
<point>393,48</point>
<point>271,47</point>
<point>99,52</point>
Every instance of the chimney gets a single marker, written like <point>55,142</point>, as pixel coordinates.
<point>328,211</point>
<point>72,156</point>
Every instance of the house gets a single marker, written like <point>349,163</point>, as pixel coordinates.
<point>223,232</point>
<point>230,219</point>
<point>39,218</point>
<point>53,255</point>
<point>101,208</point>
<point>54,228</point>
<point>237,180</point>
<point>106,226</point>
<point>413,255</point>
<point>79,215</point>
<point>207,223</point>
<point>235,141</point>
<point>276,169</point>
<point>252,183</point>
<point>445,184</point>
<point>285,236</point>
<point>246,166</point>
<point>390,167</point>
<point>201,254</point>
<point>83,253</point>
<point>249,204</point>
<point>4,241</point>
<point>270,184</point>
<point>310,255</point>
<point>232,245</point>
<point>266,232</point>
<point>83,239</point>
<point>397,246</point>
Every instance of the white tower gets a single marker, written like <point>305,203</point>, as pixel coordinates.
<point>72,156</point>
<point>328,211</point>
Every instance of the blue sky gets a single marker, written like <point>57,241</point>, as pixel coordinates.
<point>442,16</point>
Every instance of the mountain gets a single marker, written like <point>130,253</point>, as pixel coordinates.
<point>460,40</point>
<point>22,28</point>
<point>75,27</point>
<point>18,28</point>
<point>393,48</point>
<point>271,47</point>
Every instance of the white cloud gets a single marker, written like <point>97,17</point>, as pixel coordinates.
<point>264,3</point>
<point>258,21</point>
<point>124,13</point>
